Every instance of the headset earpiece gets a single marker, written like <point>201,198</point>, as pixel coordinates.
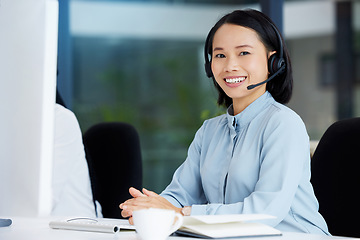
<point>276,63</point>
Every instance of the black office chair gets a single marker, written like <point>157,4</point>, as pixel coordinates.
<point>336,177</point>
<point>114,159</point>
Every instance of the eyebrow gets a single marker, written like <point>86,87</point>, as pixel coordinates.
<point>240,46</point>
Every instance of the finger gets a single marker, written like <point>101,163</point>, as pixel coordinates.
<point>133,202</point>
<point>125,204</point>
<point>128,209</point>
<point>131,221</point>
<point>149,193</point>
<point>122,205</point>
<point>135,193</point>
<point>126,213</point>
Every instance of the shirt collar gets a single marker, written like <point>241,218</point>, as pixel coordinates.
<point>249,113</point>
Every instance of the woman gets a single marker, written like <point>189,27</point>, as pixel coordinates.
<point>255,158</point>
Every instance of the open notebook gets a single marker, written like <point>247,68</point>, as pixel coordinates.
<point>226,226</point>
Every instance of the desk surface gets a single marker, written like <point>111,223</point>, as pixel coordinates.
<point>38,228</point>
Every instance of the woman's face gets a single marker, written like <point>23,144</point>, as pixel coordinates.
<point>239,59</point>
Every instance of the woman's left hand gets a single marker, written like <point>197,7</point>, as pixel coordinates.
<point>146,199</point>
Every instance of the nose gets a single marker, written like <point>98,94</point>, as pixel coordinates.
<point>231,65</point>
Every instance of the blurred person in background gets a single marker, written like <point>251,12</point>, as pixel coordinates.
<point>72,194</point>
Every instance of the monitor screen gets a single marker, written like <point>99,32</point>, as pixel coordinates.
<point>28,53</point>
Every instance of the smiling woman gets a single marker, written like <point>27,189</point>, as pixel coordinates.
<point>255,158</point>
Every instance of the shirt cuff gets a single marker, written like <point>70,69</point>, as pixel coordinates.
<point>198,209</point>
<point>172,200</point>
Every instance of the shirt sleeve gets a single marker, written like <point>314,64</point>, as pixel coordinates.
<point>185,188</point>
<point>71,182</point>
<point>283,157</point>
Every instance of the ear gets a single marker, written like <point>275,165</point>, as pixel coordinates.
<point>271,53</point>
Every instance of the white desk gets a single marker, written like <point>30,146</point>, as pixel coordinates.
<point>38,229</point>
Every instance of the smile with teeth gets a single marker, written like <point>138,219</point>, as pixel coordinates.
<point>234,80</point>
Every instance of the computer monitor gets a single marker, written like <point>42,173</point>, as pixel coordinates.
<point>28,54</point>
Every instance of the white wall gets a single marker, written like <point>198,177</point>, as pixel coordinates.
<point>28,48</point>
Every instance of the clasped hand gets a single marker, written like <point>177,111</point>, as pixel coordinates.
<point>144,199</point>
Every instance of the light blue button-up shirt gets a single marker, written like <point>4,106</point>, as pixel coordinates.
<point>255,162</point>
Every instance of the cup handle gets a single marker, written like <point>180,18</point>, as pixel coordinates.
<point>177,224</point>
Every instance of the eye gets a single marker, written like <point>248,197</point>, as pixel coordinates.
<point>244,53</point>
<point>220,55</point>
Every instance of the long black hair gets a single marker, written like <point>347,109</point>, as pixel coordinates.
<point>281,86</point>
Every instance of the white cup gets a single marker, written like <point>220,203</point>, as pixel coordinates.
<point>156,224</point>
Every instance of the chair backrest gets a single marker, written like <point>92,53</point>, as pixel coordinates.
<point>336,177</point>
<point>114,158</point>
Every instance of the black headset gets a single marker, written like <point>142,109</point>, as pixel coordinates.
<point>276,62</point>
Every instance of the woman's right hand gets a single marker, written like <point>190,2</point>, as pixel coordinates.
<point>128,213</point>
